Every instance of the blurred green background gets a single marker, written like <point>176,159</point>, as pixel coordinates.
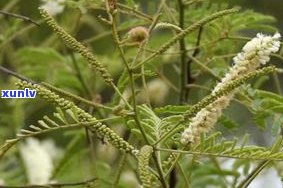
<point>39,54</point>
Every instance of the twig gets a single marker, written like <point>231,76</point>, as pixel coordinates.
<point>253,174</point>
<point>12,73</point>
<point>189,78</point>
<point>136,12</point>
<point>52,184</point>
<point>74,97</point>
<point>79,75</point>
<point>183,64</point>
<point>25,18</point>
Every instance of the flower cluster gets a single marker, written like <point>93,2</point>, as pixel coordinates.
<point>143,159</point>
<point>157,91</point>
<point>53,7</point>
<point>255,53</point>
<point>38,158</point>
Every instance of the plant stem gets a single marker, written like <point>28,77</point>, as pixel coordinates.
<point>87,182</point>
<point>18,16</point>
<point>132,84</point>
<point>121,164</point>
<point>183,64</point>
<point>79,75</point>
<point>189,78</point>
<point>277,83</point>
<point>74,97</point>
<point>253,174</point>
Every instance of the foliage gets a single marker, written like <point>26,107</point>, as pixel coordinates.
<point>117,106</point>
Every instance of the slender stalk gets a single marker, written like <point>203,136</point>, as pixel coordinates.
<point>12,73</point>
<point>132,84</point>
<point>188,3</point>
<point>217,155</point>
<point>167,81</point>
<point>245,183</point>
<point>190,79</point>
<point>121,164</point>
<point>130,72</point>
<point>277,83</point>
<point>184,174</point>
<point>18,33</point>
<point>18,16</point>
<point>79,75</point>
<point>183,64</point>
<point>135,11</point>
<point>204,67</point>
<point>87,182</point>
<point>75,97</point>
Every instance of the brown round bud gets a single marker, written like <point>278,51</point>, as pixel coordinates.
<point>138,34</point>
<point>112,4</point>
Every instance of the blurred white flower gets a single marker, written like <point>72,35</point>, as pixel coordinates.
<point>255,53</point>
<point>126,95</point>
<point>157,91</point>
<point>38,160</point>
<point>54,152</point>
<point>2,182</point>
<point>171,55</point>
<point>130,179</point>
<point>53,7</point>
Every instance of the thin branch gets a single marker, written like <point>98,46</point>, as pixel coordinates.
<point>135,11</point>
<point>253,174</point>
<point>92,180</point>
<point>270,158</point>
<point>79,74</point>
<point>25,18</point>
<point>14,74</point>
<point>189,78</point>
<point>183,64</point>
<point>74,97</point>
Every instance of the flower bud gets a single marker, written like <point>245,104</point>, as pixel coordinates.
<point>138,34</point>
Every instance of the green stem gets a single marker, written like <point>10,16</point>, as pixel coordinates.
<point>277,83</point>
<point>119,170</point>
<point>135,11</point>
<point>85,183</point>
<point>245,183</point>
<point>183,64</point>
<point>79,75</point>
<point>132,84</point>
<point>74,97</point>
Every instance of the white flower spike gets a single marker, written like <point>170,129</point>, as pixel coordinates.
<point>255,53</point>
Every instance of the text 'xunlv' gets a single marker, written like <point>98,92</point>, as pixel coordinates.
<point>26,93</point>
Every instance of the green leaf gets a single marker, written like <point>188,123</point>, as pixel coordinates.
<point>171,109</point>
<point>154,126</point>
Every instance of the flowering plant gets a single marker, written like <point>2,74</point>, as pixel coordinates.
<point>150,94</point>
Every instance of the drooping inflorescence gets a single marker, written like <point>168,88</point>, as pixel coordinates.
<point>146,177</point>
<point>77,46</point>
<point>255,53</point>
<point>82,116</point>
